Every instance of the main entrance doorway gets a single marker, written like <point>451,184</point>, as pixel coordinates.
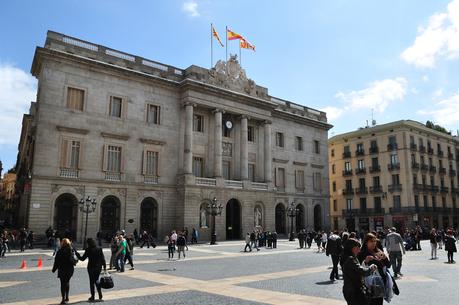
<point>110,215</point>
<point>149,216</point>
<point>280,219</point>
<point>65,216</point>
<point>233,220</point>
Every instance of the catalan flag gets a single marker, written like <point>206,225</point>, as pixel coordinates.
<point>233,35</point>
<point>215,34</point>
<point>244,44</point>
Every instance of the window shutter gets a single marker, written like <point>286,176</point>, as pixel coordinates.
<point>122,160</point>
<point>105,157</point>
<point>144,162</point>
<point>64,153</point>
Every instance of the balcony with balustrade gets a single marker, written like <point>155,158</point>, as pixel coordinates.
<point>361,190</point>
<point>442,171</point>
<point>375,169</point>
<point>393,166</point>
<point>374,149</point>
<point>394,188</point>
<point>71,173</point>
<point>422,149</point>
<point>392,146</point>
<point>347,173</point>
<point>348,191</point>
<point>361,171</point>
<point>376,189</point>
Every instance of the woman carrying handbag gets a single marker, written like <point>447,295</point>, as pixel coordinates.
<point>64,263</point>
<point>96,261</point>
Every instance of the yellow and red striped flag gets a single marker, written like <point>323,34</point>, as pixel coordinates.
<point>215,34</point>
<point>244,44</point>
<point>233,35</point>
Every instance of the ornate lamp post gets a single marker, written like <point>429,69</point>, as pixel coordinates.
<point>213,208</point>
<point>87,206</point>
<point>292,212</point>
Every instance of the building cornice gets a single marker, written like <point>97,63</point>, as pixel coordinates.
<point>152,141</point>
<point>300,119</point>
<point>72,129</point>
<point>115,136</point>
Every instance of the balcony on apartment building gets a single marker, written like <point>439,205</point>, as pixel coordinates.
<point>361,190</point>
<point>360,152</point>
<point>374,149</point>
<point>413,146</point>
<point>393,166</point>
<point>363,212</point>
<point>375,169</point>
<point>348,191</point>
<point>444,189</point>
<point>392,146</point>
<point>432,169</point>
<point>346,154</point>
<point>422,149</point>
<point>347,172</point>
<point>424,167</point>
<point>360,171</point>
<point>376,189</point>
<point>442,170</point>
<point>415,165</point>
<point>394,188</point>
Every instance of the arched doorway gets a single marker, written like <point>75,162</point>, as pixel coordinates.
<point>149,216</point>
<point>317,217</point>
<point>110,215</point>
<point>233,220</point>
<point>65,215</point>
<point>280,219</point>
<point>300,217</point>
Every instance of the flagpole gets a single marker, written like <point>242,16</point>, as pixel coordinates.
<point>226,32</point>
<point>211,47</point>
<point>240,56</point>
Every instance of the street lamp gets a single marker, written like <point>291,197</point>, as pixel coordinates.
<point>87,206</point>
<point>292,212</point>
<point>213,208</point>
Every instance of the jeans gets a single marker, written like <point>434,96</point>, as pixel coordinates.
<point>170,251</point>
<point>433,250</point>
<point>94,281</point>
<point>119,262</point>
<point>395,258</point>
<point>334,273</point>
<point>253,244</point>
<point>128,257</point>
<point>247,245</point>
<point>450,256</point>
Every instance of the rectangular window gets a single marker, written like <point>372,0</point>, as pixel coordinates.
<point>392,140</point>
<point>317,182</point>
<point>363,204</point>
<point>251,133</point>
<point>279,139</point>
<point>316,147</point>
<point>415,179</point>
<point>335,206</point>
<point>376,182</point>
<point>395,179</point>
<point>397,203</point>
<point>198,123</point>
<point>412,140</point>
<point>377,202</point>
<point>347,166</point>
<point>280,178</point>
<point>198,166</point>
<point>75,98</point>
<point>251,172</point>
<point>374,163</point>
<point>349,185</point>
<point>426,201</point>
<point>393,159</point>
<point>116,106</point>
<point>434,202</point>
<point>114,159</point>
<point>151,163</point>
<point>299,180</point>
<point>226,167</point>
<point>362,183</point>
<point>334,186</point>
<point>360,164</point>
<point>153,114</point>
<point>416,201</point>
<point>373,144</point>
<point>70,154</point>
<point>360,147</point>
<point>299,143</point>
<point>349,204</point>
<point>333,169</point>
<point>332,152</point>
<point>346,149</point>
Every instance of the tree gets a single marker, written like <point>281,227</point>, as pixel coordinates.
<point>439,128</point>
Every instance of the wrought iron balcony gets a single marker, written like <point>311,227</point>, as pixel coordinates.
<point>346,154</point>
<point>415,165</point>
<point>434,188</point>
<point>347,172</point>
<point>374,150</point>
<point>413,146</point>
<point>376,189</point>
<point>348,192</point>
<point>419,187</point>
<point>432,169</point>
<point>422,149</point>
<point>69,173</point>
<point>360,152</point>
<point>424,167</point>
<point>450,156</point>
<point>392,146</point>
<point>394,188</point>
<point>452,172</point>
<point>359,171</point>
<point>375,169</point>
<point>393,166</point>
<point>361,190</point>
<point>430,150</point>
<point>440,153</point>
<point>442,170</point>
<point>444,189</point>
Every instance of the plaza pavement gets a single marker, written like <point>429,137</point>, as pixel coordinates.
<point>222,274</point>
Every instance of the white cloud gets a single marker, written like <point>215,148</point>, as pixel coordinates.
<point>444,112</point>
<point>333,112</point>
<point>425,78</point>
<point>191,8</point>
<point>17,90</point>
<point>438,92</point>
<point>439,39</point>
<point>378,95</point>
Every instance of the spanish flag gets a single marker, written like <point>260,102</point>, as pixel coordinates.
<point>233,35</point>
<point>244,44</point>
<point>215,34</point>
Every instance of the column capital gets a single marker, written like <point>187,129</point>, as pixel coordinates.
<point>244,116</point>
<point>217,110</point>
<point>189,104</point>
<point>267,122</point>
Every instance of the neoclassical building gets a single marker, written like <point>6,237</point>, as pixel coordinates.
<point>153,144</point>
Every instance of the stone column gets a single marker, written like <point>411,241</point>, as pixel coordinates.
<point>218,143</point>
<point>267,152</point>
<point>244,149</point>
<point>188,149</point>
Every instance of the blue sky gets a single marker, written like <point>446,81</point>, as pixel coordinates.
<point>400,58</point>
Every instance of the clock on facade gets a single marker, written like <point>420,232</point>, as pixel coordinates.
<point>229,124</point>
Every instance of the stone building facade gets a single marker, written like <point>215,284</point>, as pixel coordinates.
<point>153,144</point>
<point>397,174</point>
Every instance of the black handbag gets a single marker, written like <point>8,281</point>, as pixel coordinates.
<point>106,281</point>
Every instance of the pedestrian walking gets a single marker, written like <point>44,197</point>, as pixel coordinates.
<point>145,240</point>
<point>181,244</point>
<point>247,242</point>
<point>129,251</point>
<point>334,249</point>
<point>274,235</point>
<point>30,239</point>
<point>194,236</point>
<point>120,254</point>
<point>324,240</point>
<point>394,246</point>
<point>96,260</point>
<point>64,263</point>
<point>23,239</point>
<point>170,246</point>
<point>353,273</point>
<point>113,250</point>
<point>440,238</point>
<point>450,246</point>
<point>253,241</point>
<point>301,239</point>
<point>433,244</point>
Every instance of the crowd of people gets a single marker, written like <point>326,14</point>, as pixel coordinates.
<point>16,239</point>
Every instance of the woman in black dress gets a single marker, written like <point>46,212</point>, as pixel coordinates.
<point>353,273</point>
<point>377,257</point>
<point>64,263</point>
<point>96,259</point>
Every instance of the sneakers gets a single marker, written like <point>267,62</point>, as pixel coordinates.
<point>132,268</point>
